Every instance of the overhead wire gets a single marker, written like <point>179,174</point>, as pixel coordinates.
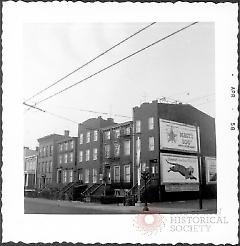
<point>90,61</point>
<point>117,62</point>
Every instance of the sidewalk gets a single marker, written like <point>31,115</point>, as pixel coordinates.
<point>190,206</point>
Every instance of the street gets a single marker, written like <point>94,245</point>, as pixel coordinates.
<point>45,206</point>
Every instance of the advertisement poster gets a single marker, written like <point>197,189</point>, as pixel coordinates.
<point>177,136</point>
<point>179,169</point>
<point>211,170</point>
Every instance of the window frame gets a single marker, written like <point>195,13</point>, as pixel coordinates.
<point>94,173</point>
<point>81,156</point>
<point>107,153</point>
<point>86,176</point>
<point>88,137</point>
<point>95,154</point>
<point>87,156</point>
<point>115,180</point>
<point>151,143</point>
<point>124,148</point>
<point>81,138</point>
<point>150,123</point>
<point>125,174</point>
<point>95,135</point>
<point>138,126</point>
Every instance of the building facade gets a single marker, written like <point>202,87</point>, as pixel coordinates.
<point>89,156</point>
<point>47,161</point>
<point>30,168</point>
<point>66,159</point>
<point>147,134</point>
<point>117,149</point>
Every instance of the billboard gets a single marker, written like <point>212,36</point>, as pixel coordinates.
<point>211,170</point>
<point>179,169</point>
<point>177,136</point>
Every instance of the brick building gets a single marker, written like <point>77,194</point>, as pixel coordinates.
<point>146,120</point>
<point>30,168</point>
<point>117,151</point>
<point>89,156</point>
<point>66,159</point>
<point>47,161</point>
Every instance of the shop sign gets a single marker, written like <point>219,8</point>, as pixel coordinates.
<point>211,170</point>
<point>177,136</point>
<point>179,169</point>
<point>181,187</point>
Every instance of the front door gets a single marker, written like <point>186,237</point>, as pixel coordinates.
<point>59,176</point>
<point>108,175</point>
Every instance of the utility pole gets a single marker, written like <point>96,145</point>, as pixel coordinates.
<point>199,166</point>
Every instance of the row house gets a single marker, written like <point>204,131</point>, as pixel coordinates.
<point>66,159</point>
<point>117,151</point>
<point>47,160</point>
<point>30,168</point>
<point>89,156</point>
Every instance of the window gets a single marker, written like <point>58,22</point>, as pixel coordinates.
<point>81,139</point>
<point>127,173</point>
<point>86,176</point>
<point>80,156</point>
<point>87,155</point>
<point>64,176</point>
<point>61,147</point>
<point>150,123</point>
<point>80,176</point>
<point>88,137</point>
<point>71,157</point>
<point>107,135</point>
<point>138,126</point>
<point>107,151</point>
<point>50,166</point>
<point>127,147</point>
<point>94,175</point>
<point>66,146</point>
<point>117,133</point>
<point>71,144</point>
<point>51,150</point>
<point>127,130</point>
<point>95,151</point>
<point>95,135</point>
<point>65,158</point>
<point>47,167</point>
<point>60,159</point>
<point>70,173</point>
<point>116,174</point>
<point>151,143</point>
<point>44,151</point>
<point>47,151</point>
<point>40,152</point>
<point>116,149</point>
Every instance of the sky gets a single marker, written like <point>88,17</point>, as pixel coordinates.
<point>180,67</point>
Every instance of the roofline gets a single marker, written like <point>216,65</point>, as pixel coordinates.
<point>117,125</point>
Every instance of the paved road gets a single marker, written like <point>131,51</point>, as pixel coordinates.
<point>44,206</point>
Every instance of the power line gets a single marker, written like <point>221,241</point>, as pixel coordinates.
<point>93,59</point>
<point>95,112</point>
<point>115,63</point>
<point>45,111</point>
<point>58,116</point>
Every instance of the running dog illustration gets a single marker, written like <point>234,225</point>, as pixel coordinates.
<point>187,172</point>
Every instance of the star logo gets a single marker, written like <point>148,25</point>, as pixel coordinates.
<point>172,136</point>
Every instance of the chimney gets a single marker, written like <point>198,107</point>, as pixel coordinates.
<point>66,133</point>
